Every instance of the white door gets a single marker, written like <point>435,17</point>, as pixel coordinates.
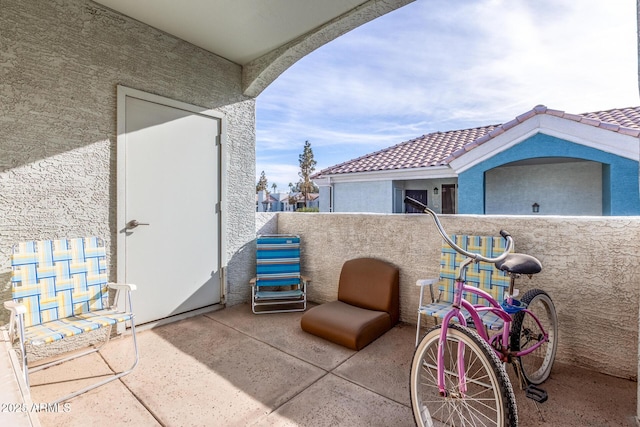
<point>168,204</point>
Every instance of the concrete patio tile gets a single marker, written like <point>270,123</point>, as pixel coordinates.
<point>334,401</point>
<point>113,401</point>
<point>48,384</point>
<point>282,330</point>
<point>383,366</point>
<point>200,372</point>
<point>578,397</point>
<point>15,400</point>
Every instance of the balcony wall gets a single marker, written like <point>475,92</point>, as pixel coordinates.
<point>591,269</point>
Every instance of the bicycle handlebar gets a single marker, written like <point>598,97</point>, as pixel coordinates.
<point>476,257</point>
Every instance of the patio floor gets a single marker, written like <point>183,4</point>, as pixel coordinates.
<point>233,368</point>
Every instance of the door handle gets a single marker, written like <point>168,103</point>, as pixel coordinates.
<point>133,224</point>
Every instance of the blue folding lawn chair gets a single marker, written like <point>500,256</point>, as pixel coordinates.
<point>278,286</point>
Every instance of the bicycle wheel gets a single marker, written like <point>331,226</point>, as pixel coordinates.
<point>489,399</point>
<point>525,333</point>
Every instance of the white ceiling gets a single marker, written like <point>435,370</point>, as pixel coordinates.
<point>238,30</point>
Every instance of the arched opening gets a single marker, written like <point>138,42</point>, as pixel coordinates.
<point>548,186</point>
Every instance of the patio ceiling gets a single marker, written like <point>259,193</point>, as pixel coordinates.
<point>264,37</point>
<point>238,30</point>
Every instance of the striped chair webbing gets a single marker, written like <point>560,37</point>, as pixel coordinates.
<point>481,275</point>
<point>58,329</point>
<point>278,260</point>
<point>56,279</point>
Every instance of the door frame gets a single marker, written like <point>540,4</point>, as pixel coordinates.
<point>122,93</point>
<point>454,188</point>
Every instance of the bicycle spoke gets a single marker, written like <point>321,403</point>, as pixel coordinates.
<point>527,333</point>
<point>487,386</point>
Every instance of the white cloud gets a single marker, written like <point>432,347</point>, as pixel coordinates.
<point>442,65</point>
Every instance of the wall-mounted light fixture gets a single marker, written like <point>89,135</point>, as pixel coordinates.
<point>535,207</point>
<point>435,191</point>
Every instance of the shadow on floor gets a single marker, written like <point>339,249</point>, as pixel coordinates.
<point>234,368</point>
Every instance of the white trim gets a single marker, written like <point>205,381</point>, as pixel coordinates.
<point>500,143</point>
<point>177,317</point>
<point>593,137</point>
<point>122,93</point>
<point>434,172</point>
<point>224,207</point>
<point>583,134</point>
<point>325,181</point>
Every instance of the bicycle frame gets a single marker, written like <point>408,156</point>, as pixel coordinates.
<point>502,350</point>
<point>460,303</point>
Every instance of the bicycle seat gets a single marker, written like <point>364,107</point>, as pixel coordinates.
<point>519,264</point>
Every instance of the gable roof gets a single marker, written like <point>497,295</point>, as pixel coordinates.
<point>440,148</point>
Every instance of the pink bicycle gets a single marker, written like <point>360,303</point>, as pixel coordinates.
<point>458,374</point>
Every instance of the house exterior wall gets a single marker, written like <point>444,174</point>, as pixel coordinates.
<point>434,201</point>
<point>368,196</point>
<point>60,65</point>
<point>589,269</point>
<point>621,195</point>
<point>559,189</point>
<point>324,199</point>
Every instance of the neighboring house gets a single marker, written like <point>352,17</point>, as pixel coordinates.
<point>273,202</point>
<point>116,110</point>
<point>284,202</point>
<point>544,162</point>
<point>313,200</point>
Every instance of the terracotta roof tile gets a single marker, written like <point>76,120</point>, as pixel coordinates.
<point>440,148</point>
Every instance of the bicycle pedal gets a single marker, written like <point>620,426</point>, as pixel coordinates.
<point>536,393</point>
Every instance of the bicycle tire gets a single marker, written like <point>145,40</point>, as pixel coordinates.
<point>489,400</point>
<point>536,366</point>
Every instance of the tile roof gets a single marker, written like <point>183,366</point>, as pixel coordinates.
<point>440,148</point>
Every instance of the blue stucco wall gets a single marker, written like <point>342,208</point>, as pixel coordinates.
<point>620,191</point>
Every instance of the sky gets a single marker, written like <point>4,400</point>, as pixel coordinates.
<point>439,65</point>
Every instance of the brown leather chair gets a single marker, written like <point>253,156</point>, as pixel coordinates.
<point>368,305</point>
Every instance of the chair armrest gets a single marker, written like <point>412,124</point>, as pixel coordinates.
<point>18,312</point>
<point>122,286</point>
<point>253,281</point>
<point>426,282</point>
<point>305,279</point>
<point>15,307</point>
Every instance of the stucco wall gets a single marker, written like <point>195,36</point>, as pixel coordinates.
<point>559,189</point>
<point>590,270</point>
<point>369,196</point>
<point>621,195</point>
<point>60,64</point>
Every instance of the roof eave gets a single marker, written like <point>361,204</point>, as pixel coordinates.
<point>431,172</point>
<point>576,131</point>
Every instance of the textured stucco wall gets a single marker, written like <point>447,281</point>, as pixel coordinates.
<point>60,64</point>
<point>371,196</point>
<point>559,188</point>
<point>590,270</point>
<point>624,197</point>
